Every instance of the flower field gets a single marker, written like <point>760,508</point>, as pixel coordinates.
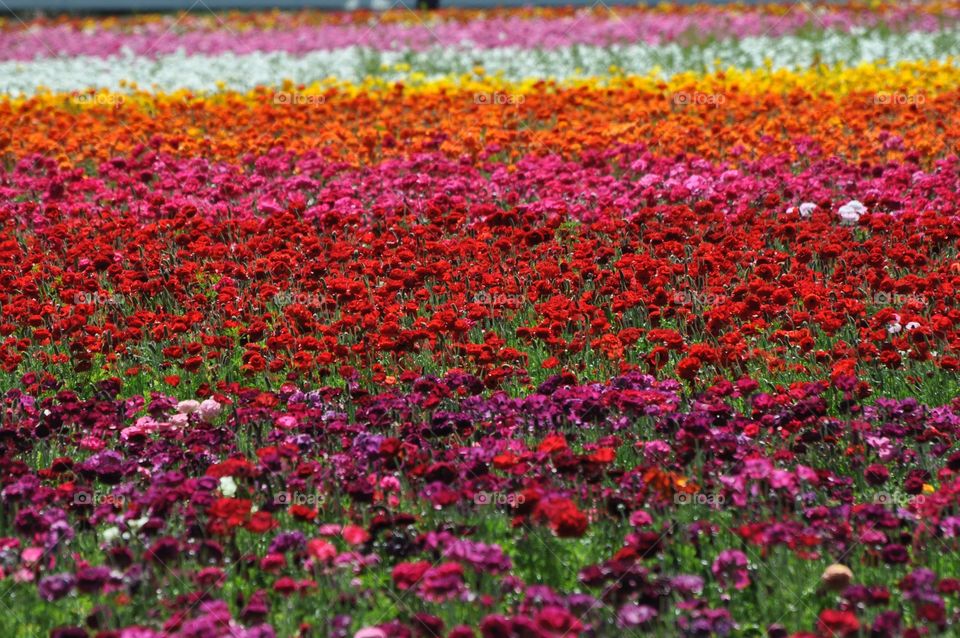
<point>526,323</point>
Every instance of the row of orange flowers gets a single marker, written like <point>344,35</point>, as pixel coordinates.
<point>713,122</point>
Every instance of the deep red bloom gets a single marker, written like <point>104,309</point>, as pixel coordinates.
<point>261,522</point>
<point>562,515</point>
<point>688,368</point>
<point>407,575</point>
<point>837,624</point>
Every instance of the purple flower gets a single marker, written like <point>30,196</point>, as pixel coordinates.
<point>886,625</point>
<point>107,466</point>
<point>631,615</point>
<point>163,551</point>
<point>56,586</point>
<point>730,567</point>
<point>286,541</point>
<point>687,585</point>
<point>257,608</point>
<point>91,580</point>
<point>895,554</point>
<point>442,582</point>
<point>480,556</point>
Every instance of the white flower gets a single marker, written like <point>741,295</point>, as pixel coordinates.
<point>807,208</point>
<point>137,523</point>
<point>188,407</point>
<point>228,487</point>
<point>111,534</point>
<point>209,72</point>
<point>894,328</point>
<point>913,325</point>
<point>851,211</point>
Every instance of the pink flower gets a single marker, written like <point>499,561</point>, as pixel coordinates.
<point>286,422</point>
<point>321,550</point>
<point>639,518</point>
<point>92,443</point>
<point>390,483</point>
<point>32,554</point>
<point>355,535</point>
<point>656,451</point>
<point>208,410</point>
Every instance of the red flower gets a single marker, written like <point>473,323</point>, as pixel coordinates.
<point>232,467</point>
<point>261,522</point>
<point>442,582</point>
<point>603,456</point>
<point>688,367</point>
<point>505,461</point>
<point>553,443</point>
<point>233,510</point>
<point>303,512</point>
<point>407,575</point>
<point>321,549</point>
<point>562,515</point>
<point>557,621</point>
<point>285,586</point>
<point>837,624</point>
<point>355,535</point>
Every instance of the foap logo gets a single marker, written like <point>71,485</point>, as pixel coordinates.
<point>498,99</point>
<point>85,498</point>
<point>897,299</point>
<point>286,98</point>
<point>512,499</point>
<point>98,99</point>
<point>97,299</point>
<point>697,298</point>
<point>698,498</point>
<point>289,499</point>
<point>696,98</point>
<point>286,298</point>
<point>898,498</point>
<point>492,299</point>
<point>899,99</point>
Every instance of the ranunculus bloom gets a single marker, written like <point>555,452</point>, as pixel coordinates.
<point>208,410</point>
<point>851,212</point>
<point>442,582</point>
<point>838,624</point>
<point>632,615</point>
<point>188,407</point>
<point>730,568</point>
<point>56,586</point>
<point>836,577</point>
<point>407,575</point>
